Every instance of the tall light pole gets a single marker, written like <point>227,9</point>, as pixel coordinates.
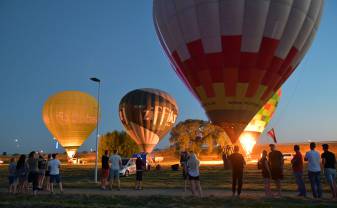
<point>94,79</point>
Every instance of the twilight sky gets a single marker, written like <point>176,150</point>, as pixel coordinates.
<point>51,46</point>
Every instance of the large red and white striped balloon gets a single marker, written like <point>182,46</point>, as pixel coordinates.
<point>235,54</point>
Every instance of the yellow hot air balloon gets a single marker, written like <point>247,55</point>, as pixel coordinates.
<point>70,116</point>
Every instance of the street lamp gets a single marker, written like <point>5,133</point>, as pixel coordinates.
<point>94,79</point>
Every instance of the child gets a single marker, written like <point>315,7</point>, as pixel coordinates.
<point>12,176</point>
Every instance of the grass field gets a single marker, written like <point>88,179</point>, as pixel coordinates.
<point>91,201</point>
<point>212,177</point>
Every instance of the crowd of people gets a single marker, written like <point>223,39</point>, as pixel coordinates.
<point>272,169</point>
<point>36,172</point>
<point>41,173</point>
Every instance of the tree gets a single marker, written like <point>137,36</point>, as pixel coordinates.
<point>119,140</point>
<point>195,134</point>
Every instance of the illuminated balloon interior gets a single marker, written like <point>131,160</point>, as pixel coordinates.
<point>248,142</point>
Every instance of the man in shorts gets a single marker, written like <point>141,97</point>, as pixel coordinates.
<point>139,172</point>
<point>276,164</point>
<point>329,164</point>
<point>54,166</point>
<point>115,166</point>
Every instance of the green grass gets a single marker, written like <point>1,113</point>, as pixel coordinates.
<point>212,177</point>
<point>91,201</point>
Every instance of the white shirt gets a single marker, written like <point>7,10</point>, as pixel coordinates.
<point>54,166</point>
<point>115,161</point>
<point>313,161</point>
<point>193,168</point>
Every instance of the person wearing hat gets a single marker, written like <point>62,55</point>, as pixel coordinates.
<point>314,170</point>
<point>329,164</point>
<point>139,172</point>
<point>276,164</point>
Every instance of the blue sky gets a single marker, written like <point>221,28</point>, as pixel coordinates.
<point>51,46</point>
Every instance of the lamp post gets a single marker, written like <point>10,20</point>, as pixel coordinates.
<point>94,79</point>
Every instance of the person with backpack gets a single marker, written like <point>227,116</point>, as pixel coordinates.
<point>263,165</point>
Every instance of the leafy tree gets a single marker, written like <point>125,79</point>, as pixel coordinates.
<point>195,134</point>
<point>119,140</point>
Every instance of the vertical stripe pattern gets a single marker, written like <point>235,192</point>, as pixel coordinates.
<point>147,115</point>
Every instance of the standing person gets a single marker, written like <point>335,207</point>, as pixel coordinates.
<point>105,169</point>
<point>47,175</point>
<point>116,164</point>
<point>194,174</point>
<point>263,164</point>
<point>12,176</point>
<point>237,163</point>
<point>276,164</point>
<point>33,171</point>
<point>21,172</point>
<point>329,164</point>
<point>54,166</point>
<point>297,165</point>
<point>183,163</point>
<point>42,164</point>
<point>139,172</point>
<point>314,170</point>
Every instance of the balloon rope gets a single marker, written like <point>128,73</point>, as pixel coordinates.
<point>291,98</point>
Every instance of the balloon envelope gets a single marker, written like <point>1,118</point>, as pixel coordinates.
<point>257,125</point>
<point>235,54</point>
<point>265,114</point>
<point>70,116</point>
<point>147,115</point>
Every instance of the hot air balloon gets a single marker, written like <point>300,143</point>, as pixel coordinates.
<point>235,54</point>
<point>257,125</point>
<point>70,116</point>
<point>147,115</point>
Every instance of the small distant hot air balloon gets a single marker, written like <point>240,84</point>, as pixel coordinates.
<point>148,115</point>
<point>257,125</point>
<point>235,54</point>
<point>70,116</point>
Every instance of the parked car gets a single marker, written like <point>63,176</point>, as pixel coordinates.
<point>128,167</point>
<point>77,161</point>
